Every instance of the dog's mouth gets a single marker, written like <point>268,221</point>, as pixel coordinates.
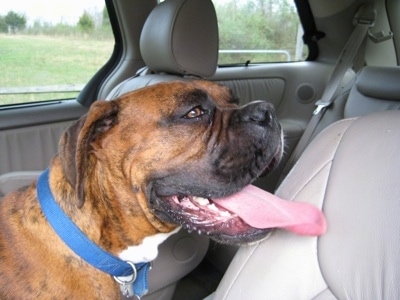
<point>238,217</point>
<point>205,216</point>
<point>243,217</point>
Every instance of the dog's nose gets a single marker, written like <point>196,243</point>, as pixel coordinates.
<point>259,112</point>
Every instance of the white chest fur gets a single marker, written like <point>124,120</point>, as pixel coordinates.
<point>147,250</point>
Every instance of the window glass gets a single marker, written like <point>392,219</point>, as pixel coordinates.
<point>253,31</point>
<point>50,49</point>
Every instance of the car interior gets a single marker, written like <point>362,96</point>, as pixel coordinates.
<point>348,166</point>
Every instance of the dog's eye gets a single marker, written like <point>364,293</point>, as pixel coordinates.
<point>194,113</point>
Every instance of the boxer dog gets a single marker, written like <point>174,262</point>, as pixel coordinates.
<point>131,169</point>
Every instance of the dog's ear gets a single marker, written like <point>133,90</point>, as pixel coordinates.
<point>76,143</point>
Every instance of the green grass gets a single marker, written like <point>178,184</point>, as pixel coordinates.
<point>31,61</point>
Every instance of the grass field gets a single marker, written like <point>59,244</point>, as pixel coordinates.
<point>33,61</point>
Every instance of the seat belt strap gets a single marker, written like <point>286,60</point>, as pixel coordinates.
<point>363,20</point>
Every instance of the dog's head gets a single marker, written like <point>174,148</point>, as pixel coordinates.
<point>174,147</point>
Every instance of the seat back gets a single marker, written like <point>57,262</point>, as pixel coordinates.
<point>179,41</point>
<point>350,171</point>
<point>374,89</point>
<point>12,181</point>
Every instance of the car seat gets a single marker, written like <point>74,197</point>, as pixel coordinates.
<point>350,171</point>
<point>373,89</point>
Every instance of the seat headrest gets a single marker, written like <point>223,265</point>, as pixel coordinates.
<point>379,82</point>
<point>376,89</point>
<point>181,37</point>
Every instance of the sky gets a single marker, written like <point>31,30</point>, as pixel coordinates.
<point>53,11</point>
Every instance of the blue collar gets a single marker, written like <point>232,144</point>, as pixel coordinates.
<point>88,250</point>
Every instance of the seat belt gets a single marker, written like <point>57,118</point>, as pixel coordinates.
<point>363,20</point>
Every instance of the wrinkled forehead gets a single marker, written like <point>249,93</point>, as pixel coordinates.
<point>221,94</point>
<point>170,95</point>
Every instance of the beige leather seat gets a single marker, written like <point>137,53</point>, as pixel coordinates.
<point>351,171</point>
<point>374,89</point>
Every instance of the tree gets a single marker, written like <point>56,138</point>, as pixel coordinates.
<point>86,23</point>
<point>3,25</point>
<point>15,22</point>
<point>256,25</point>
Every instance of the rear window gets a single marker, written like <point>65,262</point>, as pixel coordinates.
<point>50,49</point>
<point>257,31</point>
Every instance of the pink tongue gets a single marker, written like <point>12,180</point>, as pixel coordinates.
<point>261,209</point>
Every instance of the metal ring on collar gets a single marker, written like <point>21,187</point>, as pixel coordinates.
<point>120,279</point>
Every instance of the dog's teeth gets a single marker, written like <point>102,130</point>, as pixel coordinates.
<point>212,207</point>
<point>225,213</point>
<point>199,232</point>
<point>201,201</point>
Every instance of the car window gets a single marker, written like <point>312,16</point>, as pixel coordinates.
<point>50,49</point>
<point>254,31</point>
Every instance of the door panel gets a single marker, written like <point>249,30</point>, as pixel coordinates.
<point>29,135</point>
